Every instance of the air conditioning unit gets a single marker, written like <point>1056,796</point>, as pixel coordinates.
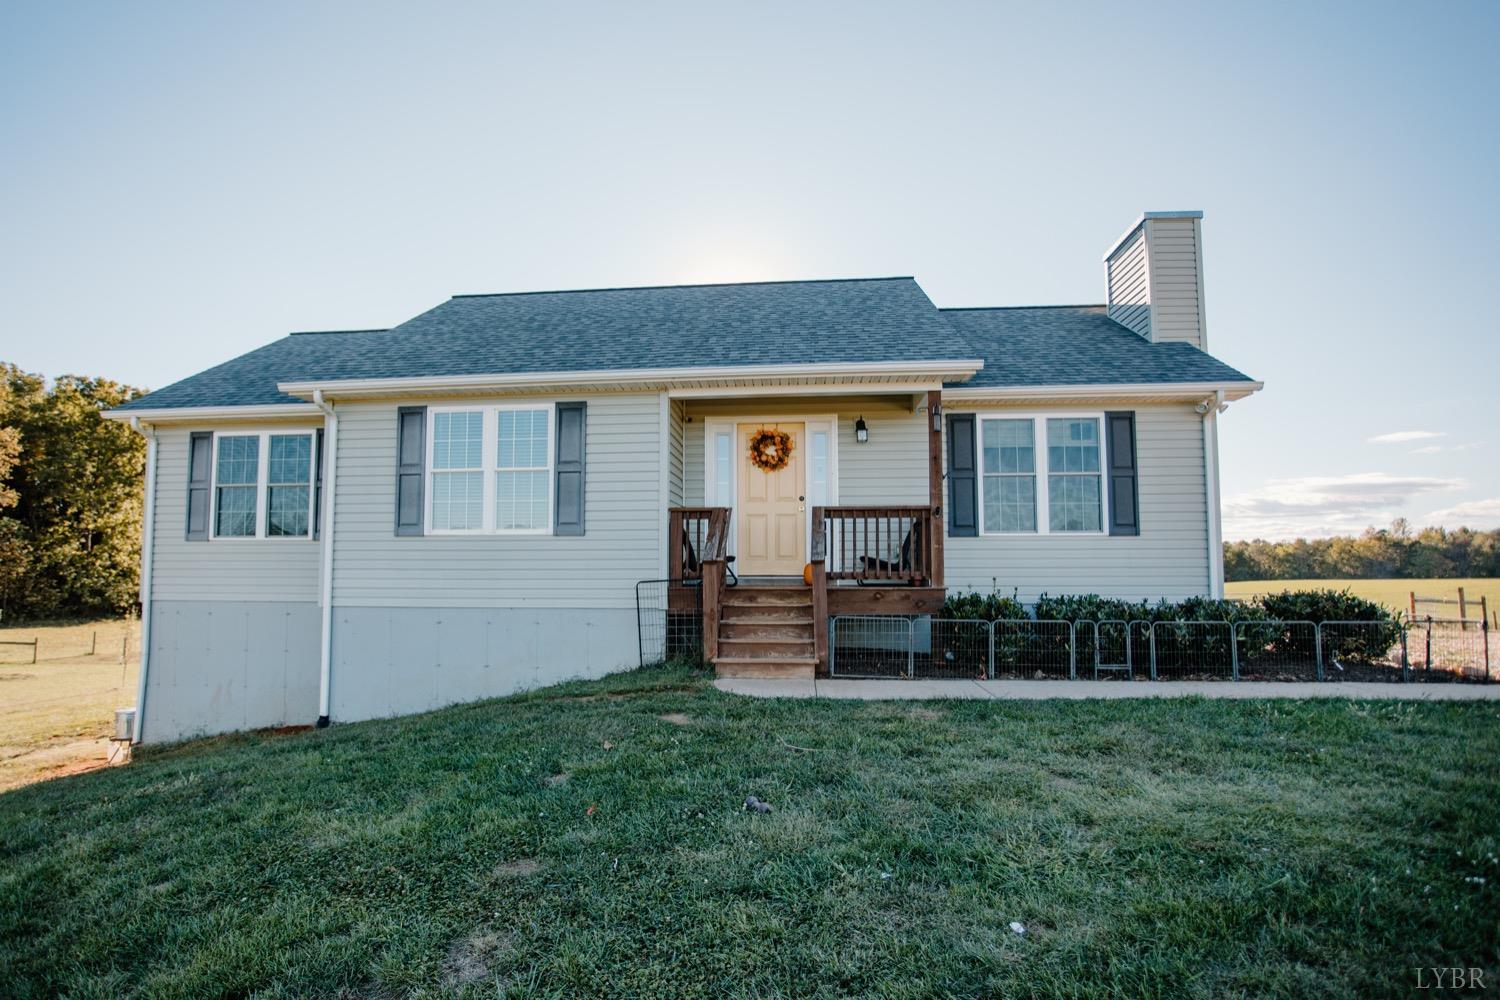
<point>124,724</point>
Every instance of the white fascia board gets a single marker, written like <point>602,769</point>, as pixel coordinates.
<point>807,389</point>
<point>1158,390</point>
<point>191,414</point>
<point>643,377</point>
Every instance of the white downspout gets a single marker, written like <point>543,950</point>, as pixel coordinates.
<point>148,543</point>
<point>330,480</point>
<point>1211,483</point>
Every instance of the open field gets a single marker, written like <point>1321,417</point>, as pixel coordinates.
<point>1391,593</point>
<point>591,840</point>
<point>56,715</point>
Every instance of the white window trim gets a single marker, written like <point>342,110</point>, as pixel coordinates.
<point>1043,468</point>
<point>489,466</point>
<point>262,484</point>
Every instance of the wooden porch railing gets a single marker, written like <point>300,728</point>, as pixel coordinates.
<point>698,542</point>
<point>880,545</point>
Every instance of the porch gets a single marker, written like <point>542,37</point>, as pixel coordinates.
<point>772,556</point>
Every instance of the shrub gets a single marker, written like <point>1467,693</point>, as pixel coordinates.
<point>982,607</point>
<point>1322,606</point>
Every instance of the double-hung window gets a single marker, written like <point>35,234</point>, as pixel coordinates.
<point>1042,475</point>
<point>263,485</point>
<point>491,469</point>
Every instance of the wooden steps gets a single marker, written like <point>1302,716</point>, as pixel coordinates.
<point>766,631</point>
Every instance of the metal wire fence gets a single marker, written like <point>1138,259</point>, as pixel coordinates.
<point>922,647</point>
<point>669,620</point>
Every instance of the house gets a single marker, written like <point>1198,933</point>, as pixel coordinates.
<point>356,524</point>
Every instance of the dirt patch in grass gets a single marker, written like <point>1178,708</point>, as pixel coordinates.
<point>472,959</point>
<point>553,780</point>
<point>677,718</point>
<point>925,714</point>
<point>519,868</point>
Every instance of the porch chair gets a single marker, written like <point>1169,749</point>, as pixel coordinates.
<point>905,559</point>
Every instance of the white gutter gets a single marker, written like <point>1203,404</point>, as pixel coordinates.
<point>1211,485</point>
<point>330,480</point>
<point>148,543</point>
<point>614,376</point>
<point>189,414</point>
<point>1185,390</point>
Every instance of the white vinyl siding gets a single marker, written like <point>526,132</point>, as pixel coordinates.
<point>1175,295</point>
<point>675,454</point>
<point>270,569</point>
<point>1129,285</point>
<point>375,568</point>
<point>890,468</point>
<point>1169,558</point>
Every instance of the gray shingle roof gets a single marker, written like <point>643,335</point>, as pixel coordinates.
<point>875,319</point>
<point>684,326</point>
<point>1075,345</point>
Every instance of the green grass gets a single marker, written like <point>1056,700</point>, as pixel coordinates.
<point>574,842</point>
<point>1394,594</point>
<point>56,715</point>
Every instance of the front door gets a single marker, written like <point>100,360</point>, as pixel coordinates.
<point>771,508</point>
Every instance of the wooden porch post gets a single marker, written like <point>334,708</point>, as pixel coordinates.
<point>713,579</point>
<point>818,557</point>
<point>935,482</point>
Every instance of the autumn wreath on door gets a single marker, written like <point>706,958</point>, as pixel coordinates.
<point>770,449</point>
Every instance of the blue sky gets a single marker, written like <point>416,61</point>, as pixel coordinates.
<point>183,182</point>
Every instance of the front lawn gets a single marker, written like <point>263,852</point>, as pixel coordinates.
<point>591,840</point>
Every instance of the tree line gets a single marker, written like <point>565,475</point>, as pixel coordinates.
<point>1394,553</point>
<point>71,497</point>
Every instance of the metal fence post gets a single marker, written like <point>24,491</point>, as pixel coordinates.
<point>1427,663</point>
<point>1234,651</point>
<point>1406,664</point>
<point>1318,647</point>
<point>1072,652</point>
<point>911,649</point>
<point>833,646</point>
<point>1484,634</point>
<point>990,655</point>
<point>1152,636</point>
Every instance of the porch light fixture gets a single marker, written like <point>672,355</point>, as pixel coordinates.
<point>861,432</point>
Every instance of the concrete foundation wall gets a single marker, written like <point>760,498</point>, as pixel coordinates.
<point>222,666</point>
<point>392,661</point>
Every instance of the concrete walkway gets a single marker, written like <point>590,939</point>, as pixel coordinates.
<point>875,690</point>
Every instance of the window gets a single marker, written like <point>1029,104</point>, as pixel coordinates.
<point>288,497</point>
<point>457,470</point>
<point>1009,463</point>
<point>522,482</point>
<point>235,475</point>
<point>723,449</point>
<point>1067,484</point>
<point>1073,474</point>
<point>491,469</point>
<point>263,485</point>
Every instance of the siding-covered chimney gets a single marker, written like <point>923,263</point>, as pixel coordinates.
<point>1154,276</point>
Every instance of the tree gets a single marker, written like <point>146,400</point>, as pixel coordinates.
<point>71,536</point>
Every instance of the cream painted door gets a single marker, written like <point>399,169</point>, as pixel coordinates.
<point>771,509</point>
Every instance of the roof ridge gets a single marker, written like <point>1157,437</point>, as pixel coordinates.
<point>706,284</point>
<point>321,333</point>
<point>1080,305</point>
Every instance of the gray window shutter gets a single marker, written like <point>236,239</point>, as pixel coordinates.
<point>200,476</point>
<point>963,477</point>
<point>411,471</point>
<point>1124,494</point>
<point>568,510</point>
<point>317,531</point>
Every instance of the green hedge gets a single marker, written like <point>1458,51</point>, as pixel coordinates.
<point>1290,605</point>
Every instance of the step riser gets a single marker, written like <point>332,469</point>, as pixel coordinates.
<point>766,596</point>
<point>765,649</point>
<point>778,633</point>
